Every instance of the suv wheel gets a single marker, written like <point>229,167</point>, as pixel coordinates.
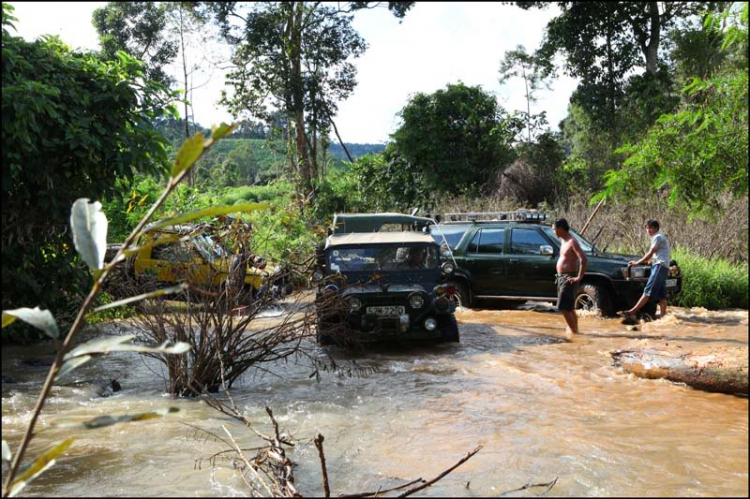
<point>461,298</point>
<point>593,297</point>
<point>449,327</point>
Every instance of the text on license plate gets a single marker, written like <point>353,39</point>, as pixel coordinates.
<point>671,283</point>
<point>390,310</point>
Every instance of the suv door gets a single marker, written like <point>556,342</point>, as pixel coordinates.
<point>529,272</point>
<point>485,260</point>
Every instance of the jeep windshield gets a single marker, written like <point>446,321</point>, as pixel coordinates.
<point>383,258</point>
<point>586,246</point>
<point>208,248</point>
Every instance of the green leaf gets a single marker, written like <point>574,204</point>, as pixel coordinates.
<point>103,346</point>
<point>107,420</point>
<point>188,154</point>
<point>7,456</point>
<point>39,466</point>
<point>220,131</point>
<point>208,212</point>
<point>89,225</point>
<point>40,319</point>
<point>152,294</point>
<point>8,319</point>
<point>72,364</point>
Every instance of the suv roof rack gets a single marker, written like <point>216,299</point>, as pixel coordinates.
<point>522,215</point>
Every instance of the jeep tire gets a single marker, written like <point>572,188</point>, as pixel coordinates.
<point>321,338</point>
<point>449,328</point>
<point>594,297</point>
<point>462,297</point>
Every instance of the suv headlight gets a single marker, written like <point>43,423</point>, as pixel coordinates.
<point>354,304</point>
<point>445,251</point>
<point>317,276</point>
<point>638,272</point>
<point>416,301</point>
<point>448,268</point>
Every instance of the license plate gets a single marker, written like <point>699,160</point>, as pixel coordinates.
<point>671,283</point>
<point>388,311</point>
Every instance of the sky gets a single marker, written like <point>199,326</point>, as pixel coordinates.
<point>436,44</point>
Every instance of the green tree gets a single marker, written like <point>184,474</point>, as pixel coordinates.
<point>294,57</point>
<point>140,30</point>
<point>458,137</point>
<point>72,124</point>
<point>603,42</point>
<point>701,151</point>
<point>520,64</point>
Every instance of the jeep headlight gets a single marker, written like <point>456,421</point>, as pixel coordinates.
<point>448,268</point>
<point>354,304</point>
<point>317,276</point>
<point>416,301</point>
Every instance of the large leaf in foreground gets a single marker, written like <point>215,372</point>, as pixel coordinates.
<point>208,212</point>
<point>107,420</point>
<point>89,225</point>
<point>39,466</point>
<point>40,319</point>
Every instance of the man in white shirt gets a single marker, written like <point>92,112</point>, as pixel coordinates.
<point>656,287</point>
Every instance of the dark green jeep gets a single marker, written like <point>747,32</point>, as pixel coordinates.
<point>383,286</point>
<point>511,258</point>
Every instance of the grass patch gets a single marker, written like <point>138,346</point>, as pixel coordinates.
<point>711,284</point>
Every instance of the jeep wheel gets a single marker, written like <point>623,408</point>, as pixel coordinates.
<point>594,297</point>
<point>449,327</point>
<point>461,298</point>
<point>321,338</point>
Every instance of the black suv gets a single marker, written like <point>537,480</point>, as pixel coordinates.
<point>383,286</point>
<point>511,258</point>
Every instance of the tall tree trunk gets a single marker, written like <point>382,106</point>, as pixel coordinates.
<point>298,103</point>
<point>652,49</point>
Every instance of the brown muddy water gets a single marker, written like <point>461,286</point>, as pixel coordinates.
<point>541,407</point>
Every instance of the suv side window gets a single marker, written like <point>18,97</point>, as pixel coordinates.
<point>526,242</point>
<point>487,241</point>
<point>492,241</point>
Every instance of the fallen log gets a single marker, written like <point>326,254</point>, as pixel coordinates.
<point>725,371</point>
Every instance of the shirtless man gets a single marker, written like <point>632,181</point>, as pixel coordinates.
<point>571,266</point>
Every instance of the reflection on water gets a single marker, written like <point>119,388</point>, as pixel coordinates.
<point>541,407</point>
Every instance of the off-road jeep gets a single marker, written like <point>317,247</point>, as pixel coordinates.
<point>383,286</point>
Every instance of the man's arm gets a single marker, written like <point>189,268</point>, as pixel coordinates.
<point>582,258</point>
<point>645,258</point>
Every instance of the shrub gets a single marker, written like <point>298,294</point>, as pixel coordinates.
<point>711,283</point>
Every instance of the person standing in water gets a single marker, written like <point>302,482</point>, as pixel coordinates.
<point>656,287</point>
<point>571,267</point>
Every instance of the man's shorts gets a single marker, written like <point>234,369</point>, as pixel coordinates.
<point>566,291</point>
<point>656,287</point>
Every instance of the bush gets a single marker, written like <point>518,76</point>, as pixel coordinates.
<point>711,283</point>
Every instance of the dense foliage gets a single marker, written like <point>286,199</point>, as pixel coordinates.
<point>457,138</point>
<point>72,125</point>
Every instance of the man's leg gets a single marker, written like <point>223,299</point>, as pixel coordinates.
<point>639,305</point>
<point>663,308</point>
<point>571,319</point>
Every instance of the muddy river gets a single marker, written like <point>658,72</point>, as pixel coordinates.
<point>541,407</point>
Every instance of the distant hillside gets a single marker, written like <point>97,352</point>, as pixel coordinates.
<point>356,150</point>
